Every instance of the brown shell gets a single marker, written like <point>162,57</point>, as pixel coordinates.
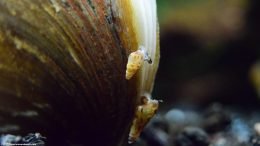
<point>62,70</point>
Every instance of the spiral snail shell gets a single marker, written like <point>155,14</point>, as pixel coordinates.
<point>135,61</point>
<point>63,66</point>
<point>143,114</point>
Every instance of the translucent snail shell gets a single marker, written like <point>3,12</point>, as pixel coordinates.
<point>135,61</point>
<point>143,114</point>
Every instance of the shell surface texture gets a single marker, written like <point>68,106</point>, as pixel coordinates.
<point>63,68</point>
<point>143,114</point>
<point>135,61</point>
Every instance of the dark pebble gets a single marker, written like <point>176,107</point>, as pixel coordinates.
<point>192,136</point>
<point>155,137</point>
<point>216,119</point>
<point>159,122</point>
<point>255,141</point>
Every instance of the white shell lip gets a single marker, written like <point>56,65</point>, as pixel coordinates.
<point>145,21</point>
<point>146,25</point>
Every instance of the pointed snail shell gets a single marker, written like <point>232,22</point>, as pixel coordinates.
<point>135,62</point>
<point>143,114</point>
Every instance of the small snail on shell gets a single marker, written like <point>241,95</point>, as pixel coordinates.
<point>143,114</point>
<point>135,62</point>
<point>63,65</point>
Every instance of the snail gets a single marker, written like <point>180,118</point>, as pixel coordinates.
<point>63,66</point>
<point>135,61</point>
<point>143,114</point>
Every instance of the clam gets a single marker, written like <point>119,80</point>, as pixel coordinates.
<point>63,65</point>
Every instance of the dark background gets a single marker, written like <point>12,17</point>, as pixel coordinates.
<point>209,52</point>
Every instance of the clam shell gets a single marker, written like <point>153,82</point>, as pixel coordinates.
<point>62,70</point>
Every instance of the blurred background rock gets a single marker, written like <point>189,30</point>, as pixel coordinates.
<point>208,51</point>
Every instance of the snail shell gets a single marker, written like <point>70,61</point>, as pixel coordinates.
<point>143,114</point>
<point>135,61</point>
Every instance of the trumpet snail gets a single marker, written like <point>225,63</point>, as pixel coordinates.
<point>63,68</point>
<point>135,62</point>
